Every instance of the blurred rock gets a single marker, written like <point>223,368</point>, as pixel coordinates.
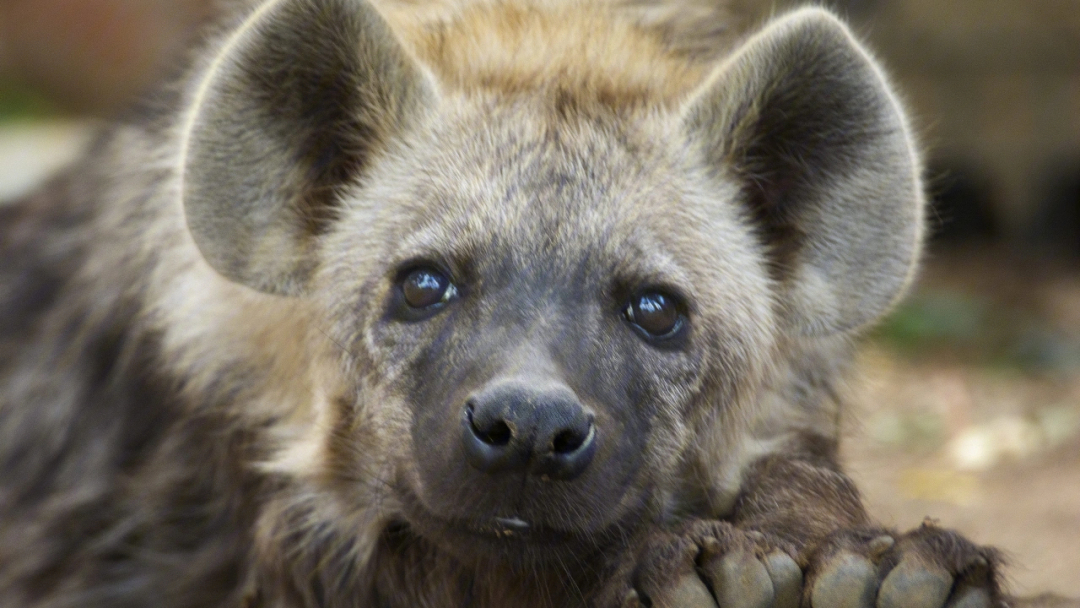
<point>918,431</point>
<point>940,485</point>
<point>30,153</point>
<point>1059,425</point>
<point>980,447</point>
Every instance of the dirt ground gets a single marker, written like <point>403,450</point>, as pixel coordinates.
<point>978,427</point>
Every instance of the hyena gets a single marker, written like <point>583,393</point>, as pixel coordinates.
<point>531,303</point>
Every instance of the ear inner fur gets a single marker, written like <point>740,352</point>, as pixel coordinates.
<point>802,117</point>
<point>273,135</point>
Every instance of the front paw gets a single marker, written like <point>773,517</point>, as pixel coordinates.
<point>928,567</point>
<point>707,564</point>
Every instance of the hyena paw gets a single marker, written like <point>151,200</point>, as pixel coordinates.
<point>708,564</point>
<point>928,567</point>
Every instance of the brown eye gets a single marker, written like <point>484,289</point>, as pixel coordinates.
<point>655,312</point>
<point>426,287</point>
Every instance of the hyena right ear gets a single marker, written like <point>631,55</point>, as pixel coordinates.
<point>803,120</point>
<point>297,102</point>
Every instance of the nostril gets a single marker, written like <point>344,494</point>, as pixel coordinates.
<point>567,441</point>
<point>548,434</point>
<point>497,433</point>
<point>570,452</point>
<point>489,441</point>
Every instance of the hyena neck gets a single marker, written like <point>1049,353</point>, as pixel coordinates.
<point>124,454</point>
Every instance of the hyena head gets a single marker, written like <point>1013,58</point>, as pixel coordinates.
<point>560,259</point>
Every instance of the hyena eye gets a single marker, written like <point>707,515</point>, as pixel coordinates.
<point>656,313</point>
<point>425,287</point>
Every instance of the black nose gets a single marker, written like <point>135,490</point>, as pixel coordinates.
<point>511,427</point>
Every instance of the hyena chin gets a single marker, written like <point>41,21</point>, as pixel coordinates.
<point>467,303</point>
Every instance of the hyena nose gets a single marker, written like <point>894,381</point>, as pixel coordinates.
<point>545,433</point>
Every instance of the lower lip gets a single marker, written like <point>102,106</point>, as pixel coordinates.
<point>512,528</point>
<point>504,527</point>
<point>512,524</point>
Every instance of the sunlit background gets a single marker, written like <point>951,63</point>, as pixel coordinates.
<point>967,404</point>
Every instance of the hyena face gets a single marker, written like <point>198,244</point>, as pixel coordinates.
<point>544,311</point>
<point>558,273</point>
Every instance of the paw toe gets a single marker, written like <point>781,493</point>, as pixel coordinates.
<point>848,581</point>
<point>912,584</point>
<point>972,597</point>
<point>787,579</point>
<point>688,592</point>
<point>740,580</point>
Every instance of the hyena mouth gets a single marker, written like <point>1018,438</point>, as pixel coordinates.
<point>520,536</point>
<point>496,531</point>
<point>516,539</point>
<point>513,528</point>
<point>508,538</point>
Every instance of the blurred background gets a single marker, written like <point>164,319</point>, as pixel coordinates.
<point>967,404</point>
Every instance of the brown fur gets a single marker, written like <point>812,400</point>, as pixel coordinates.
<point>581,50</point>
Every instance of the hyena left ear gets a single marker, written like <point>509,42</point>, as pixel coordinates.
<point>298,101</point>
<point>803,119</point>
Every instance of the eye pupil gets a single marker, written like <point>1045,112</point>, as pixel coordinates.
<point>654,312</point>
<point>424,287</point>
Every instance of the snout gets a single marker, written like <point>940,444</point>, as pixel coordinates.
<point>544,432</point>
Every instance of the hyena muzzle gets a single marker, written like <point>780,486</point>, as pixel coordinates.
<point>493,303</point>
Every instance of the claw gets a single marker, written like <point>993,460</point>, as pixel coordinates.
<point>632,600</point>
<point>710,547</point>
<point>878,546</point>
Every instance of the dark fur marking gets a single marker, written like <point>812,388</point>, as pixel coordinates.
<point>168,500</point>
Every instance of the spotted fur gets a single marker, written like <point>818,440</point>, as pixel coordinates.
<point>206,398</point>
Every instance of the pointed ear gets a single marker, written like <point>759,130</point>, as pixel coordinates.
<point>296,104</point>
<point>803,119</point>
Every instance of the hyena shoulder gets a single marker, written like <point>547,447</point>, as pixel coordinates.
<point>102,447</point>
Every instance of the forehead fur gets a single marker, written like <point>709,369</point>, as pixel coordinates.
<point>514,178</point>
<point>585,50</point>
<point>510,190</point>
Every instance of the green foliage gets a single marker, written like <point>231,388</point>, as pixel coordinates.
<point>978,330</point>
<point>19,102</point>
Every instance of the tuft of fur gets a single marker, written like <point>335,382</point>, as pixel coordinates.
<point>583,51</point>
